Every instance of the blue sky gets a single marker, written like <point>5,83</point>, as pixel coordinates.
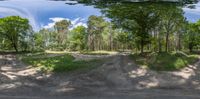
<point>193,15</point>
<point>42,13</point>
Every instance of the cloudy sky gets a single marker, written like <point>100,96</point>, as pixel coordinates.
<point>44,14</point>
<point>193,14</point>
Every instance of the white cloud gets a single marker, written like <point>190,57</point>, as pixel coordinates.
<point>192,15</point>
<point>57,19</point>
<point>196,10</point>
<point>50,25</point>
<point>75,22</point>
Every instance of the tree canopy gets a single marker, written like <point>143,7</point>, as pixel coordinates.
<point>147,26</point>
<point>14,29</point>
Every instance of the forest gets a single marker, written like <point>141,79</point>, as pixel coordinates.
<point>142,27</point>
<point>99,49</point>
<point>147,30</point>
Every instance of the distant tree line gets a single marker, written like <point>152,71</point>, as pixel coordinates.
<point>98,35</point>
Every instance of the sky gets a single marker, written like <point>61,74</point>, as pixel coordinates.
<point>192,15</point>
<point>44,14</point>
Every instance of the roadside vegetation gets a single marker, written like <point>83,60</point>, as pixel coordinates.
<point>165,61</point>
<point>59,63</point>
<point>99,52</point>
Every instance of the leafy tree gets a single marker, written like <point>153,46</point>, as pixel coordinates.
<point>39,41</point>
<point>14,29</point>
<point>96,26</point>
<point>136,18</point>
<point>62,29</point>
<point>78,38</point>
<point>193,35</point>
<point>123,38</point>
<point>171,17</point>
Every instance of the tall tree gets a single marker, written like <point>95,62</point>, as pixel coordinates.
<point>13,28</point>
<point>136,18</point>
<point>172,16</point>
<point>62,28</point>
<point>96,25</point>
<point>193,35</point>
<point>78,38</point>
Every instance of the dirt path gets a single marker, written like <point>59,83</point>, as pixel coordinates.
<point>117,78</point>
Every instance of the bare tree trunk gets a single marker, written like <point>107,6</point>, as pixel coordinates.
<point>110,39</point>
<point>167,42</point>
<point>15,46</point>
<point>142,46</point>
<point>179,41</point>
<point>159,43</point>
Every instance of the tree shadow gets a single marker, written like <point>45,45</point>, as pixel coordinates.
<point>118,73</point>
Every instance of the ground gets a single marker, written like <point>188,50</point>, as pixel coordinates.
<point>119,77</point>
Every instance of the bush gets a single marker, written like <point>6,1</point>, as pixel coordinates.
<point>165,61</point>
<point>58,63</point>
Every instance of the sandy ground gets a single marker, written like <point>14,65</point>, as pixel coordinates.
<point>119,77</point>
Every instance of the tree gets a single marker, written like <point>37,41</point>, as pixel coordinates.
<point>152,24</point>
<point>108,36</point>
<point>96,26</point>
<point>171,17</point>
<point>78,38</point>
<point>193,35</point>
<point>123,38</point>
<point>137,18</point>
<point>39,41</point>
<point>14,28</point>
<point>62,29</point>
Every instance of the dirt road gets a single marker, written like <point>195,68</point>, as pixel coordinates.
<point>117,78</point>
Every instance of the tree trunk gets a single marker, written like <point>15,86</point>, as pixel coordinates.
<point>15,47</point>
<point>167,42</point>
<point>159,44</point>
<point>179,41</point>
<point>110,42</point>
<point>93,45</point>
<point>142,46</point>
<point>191,47</point>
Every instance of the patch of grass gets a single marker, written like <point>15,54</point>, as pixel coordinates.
<point>62,63</point>
<point>165,61</point>
<point>30,54</point>
<point>56,52</point>
<point>98,52</point>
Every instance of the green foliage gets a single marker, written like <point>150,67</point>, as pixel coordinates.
<point>39,41</point>
<point>136,18</point>
<point>14,30</point>
<point>62,30</point>
<point>96,26</point>
<point>61,63</point>
<point>78,38</point>
<point>192,36</point>
<point>148,26</point>
<point>165,61</point>
<point>101,52</point>
<point>103,3</point>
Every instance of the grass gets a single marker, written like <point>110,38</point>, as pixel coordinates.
<point>165,61</point>
<point>101,52</point>
<point>56,52</point>
<point>63,63</point>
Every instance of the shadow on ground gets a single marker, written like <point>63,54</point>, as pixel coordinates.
<point>118,75</point>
